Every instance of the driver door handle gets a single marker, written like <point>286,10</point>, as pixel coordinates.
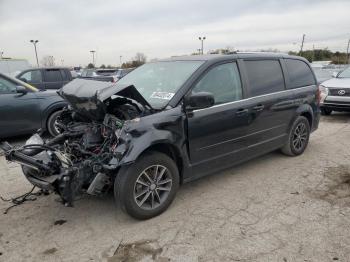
<point>241,112</point>
<point>258,108</point>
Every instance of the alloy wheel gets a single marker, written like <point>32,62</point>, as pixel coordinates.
<point>57,127</point>
<point>300,136</point>
<point>152,187</point>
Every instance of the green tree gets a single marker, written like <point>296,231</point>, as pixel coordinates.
<point>322,55</point>
<point>90,66</point>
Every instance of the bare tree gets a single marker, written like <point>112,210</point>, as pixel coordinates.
<point>48,60</point>
<point>140,57</point>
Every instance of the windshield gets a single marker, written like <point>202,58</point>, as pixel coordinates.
<point>345,73</point>
<point>159,81</point>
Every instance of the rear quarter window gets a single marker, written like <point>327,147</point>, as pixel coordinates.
<point>299,73</point>
<point>53,75</point>
<point>264,76</point>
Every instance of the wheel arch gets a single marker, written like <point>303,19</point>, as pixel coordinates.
<point>308,116</point>
<point>171,151</point>
<point>49,111</point>
<point>304,110</point>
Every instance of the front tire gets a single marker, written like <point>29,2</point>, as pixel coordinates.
<point>298,137</point>
<point>326,111</point>
<point>52,127</point>
<point>146,188</point>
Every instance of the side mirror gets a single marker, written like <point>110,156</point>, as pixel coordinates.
<point>199,100</point>
<point>335,74</point>
<point>23,79</point>
<point>21,90</point>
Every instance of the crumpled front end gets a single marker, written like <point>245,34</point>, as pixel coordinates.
<point>84,158</point>
<point>73,163</point>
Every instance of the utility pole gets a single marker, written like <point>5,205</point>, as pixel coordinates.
<point>93,56</point>
<point>202,40</point>
<point>120,60</point>
<point>34,42</point>
<point>1,53</point>
<point>347,53</point>
<point>302,44</point>
<point>313,53</point>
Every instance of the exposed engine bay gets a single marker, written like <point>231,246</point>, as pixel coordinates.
<point>83,158</point>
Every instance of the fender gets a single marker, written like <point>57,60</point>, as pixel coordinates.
<point>138,135</point>
<point>58,105</point>
<point>302,109</point>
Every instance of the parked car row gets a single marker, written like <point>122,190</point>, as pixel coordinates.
<point>107,75</point>
<point>56,77</point>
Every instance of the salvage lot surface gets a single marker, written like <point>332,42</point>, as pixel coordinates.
<point>274,208</point>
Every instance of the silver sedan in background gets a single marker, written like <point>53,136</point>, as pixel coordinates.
<point>335,93</point>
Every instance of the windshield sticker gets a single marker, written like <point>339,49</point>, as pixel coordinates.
<point>162,95</point>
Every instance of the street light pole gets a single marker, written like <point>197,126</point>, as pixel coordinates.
<point>120,60</point>
<point>347,52</point>
<point>34,42</point>
<point>93,56</point>
<point>202,40</point>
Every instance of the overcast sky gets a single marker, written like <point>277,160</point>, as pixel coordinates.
<point>69,29</point>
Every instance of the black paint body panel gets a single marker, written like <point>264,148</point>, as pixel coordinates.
<point>207,140</point>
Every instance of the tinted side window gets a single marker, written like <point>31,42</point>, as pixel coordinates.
<point>53,76</point>
<point>64,74</point>
<point>7,86</point>
<point>223,82</point>
<point>299,73</point>
<point>264,76</point>
<point>33,76</point>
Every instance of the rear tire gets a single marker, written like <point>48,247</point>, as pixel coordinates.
<point>298,137</point>
<point>146,196</point>
<point>326,111</point>
<point>51,122</point>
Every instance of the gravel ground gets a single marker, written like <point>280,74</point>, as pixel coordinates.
<point>273,208</point>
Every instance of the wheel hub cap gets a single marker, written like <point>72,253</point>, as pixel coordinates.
<point>152,187</point>
<point>299,136</point>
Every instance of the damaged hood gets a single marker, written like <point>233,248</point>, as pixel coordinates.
<point>87,97</point>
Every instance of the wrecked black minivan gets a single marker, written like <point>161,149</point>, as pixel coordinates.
<point>170,122</point>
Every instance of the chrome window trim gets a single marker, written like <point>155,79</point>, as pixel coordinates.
<point>249,98</point>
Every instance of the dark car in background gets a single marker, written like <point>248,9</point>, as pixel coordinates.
<point>173,121</point>
<point>25,109</point>
<point>46,77</point>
